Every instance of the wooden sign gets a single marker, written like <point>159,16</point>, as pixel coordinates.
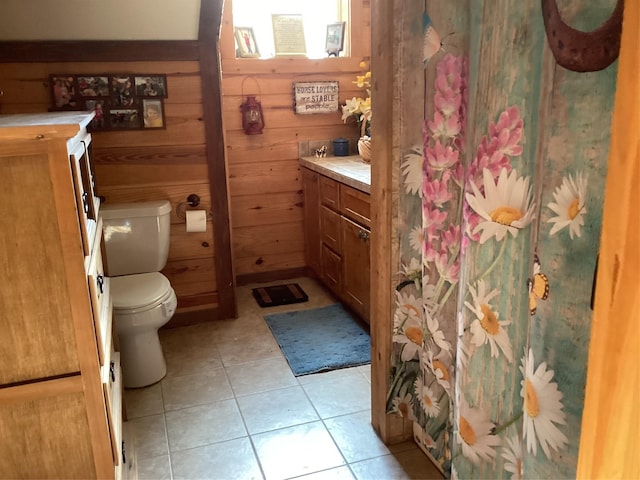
<point>315,97</point>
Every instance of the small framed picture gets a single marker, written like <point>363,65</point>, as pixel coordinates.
<point>100,108</point>
<point>153,113</point>
<point>124,119</point>
<point>93,86</point>
<point>64,92</point>
<point>246,41</point>
<point>151,86</point>
<point>335,38</point>
<point>122,91</point>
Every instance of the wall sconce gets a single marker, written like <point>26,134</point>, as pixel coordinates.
<point>252,119</point>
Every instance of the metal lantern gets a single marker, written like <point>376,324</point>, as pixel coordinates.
<point>252,119</point>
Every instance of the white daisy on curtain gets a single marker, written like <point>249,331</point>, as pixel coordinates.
<point>435,334</point>
<point>473,433</point>
<point>486,328</point>
<point>439,366</point>
<point>569,205</point>
<point>428,400</point>
<point>506,205</point>
<point>512,455</point>
<point>542,409</point>
<point>412,171</point>
<point>408,325</point>
<point>416,237</point>
<point>404,406</point>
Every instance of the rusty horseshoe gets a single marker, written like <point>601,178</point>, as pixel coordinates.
<point>582,51</point>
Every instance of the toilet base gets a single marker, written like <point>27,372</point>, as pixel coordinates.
<point>142,359</point>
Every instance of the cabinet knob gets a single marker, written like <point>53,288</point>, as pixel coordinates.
<point>363,235</point>
<point>112,371</point>
<point>100,282</point>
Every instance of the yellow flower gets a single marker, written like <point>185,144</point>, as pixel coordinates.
<point>360,108</point>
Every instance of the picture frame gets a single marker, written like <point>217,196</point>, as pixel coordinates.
<point>335,38</point>
<point>152,114</point>
<point>120,101</point>
<point>246,42</point>
<point>154,86</point>
<point>288,35</point>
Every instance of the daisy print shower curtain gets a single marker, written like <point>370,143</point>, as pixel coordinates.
<point>500,219</point>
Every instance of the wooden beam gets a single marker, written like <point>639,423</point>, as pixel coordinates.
<point>208,35</point>
<point>98,51</point>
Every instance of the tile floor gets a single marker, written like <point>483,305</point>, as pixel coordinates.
<point>230,408</point>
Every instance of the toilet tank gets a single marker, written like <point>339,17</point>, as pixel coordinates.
<point>136,236</point>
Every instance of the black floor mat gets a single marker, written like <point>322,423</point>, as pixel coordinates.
<point>279,295</point>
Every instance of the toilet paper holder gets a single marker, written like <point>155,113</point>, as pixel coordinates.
<point>193,200</point>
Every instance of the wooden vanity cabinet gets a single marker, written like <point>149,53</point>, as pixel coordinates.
<point>60,383</point>
<point>338,231</point>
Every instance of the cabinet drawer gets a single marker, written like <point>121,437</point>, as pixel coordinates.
<point>112,387</point>
<point>86,201</point>
<point>101,302</point>
<point>329,193</point>
<point>330,228</point>
<point>356,205</point>
<point>331,264</point>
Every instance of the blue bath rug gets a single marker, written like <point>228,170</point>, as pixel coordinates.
<point>320,339</point>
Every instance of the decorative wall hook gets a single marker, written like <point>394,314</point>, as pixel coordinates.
<point>582,51</point>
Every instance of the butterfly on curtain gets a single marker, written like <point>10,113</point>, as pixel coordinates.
<point>431,41</point>
<point>538,286</point>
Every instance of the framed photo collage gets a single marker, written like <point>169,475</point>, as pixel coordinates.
<point>120,102</point>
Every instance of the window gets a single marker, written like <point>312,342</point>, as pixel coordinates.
<point>316,15</point>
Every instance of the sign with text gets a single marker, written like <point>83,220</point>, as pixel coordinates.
<point>315,97</point>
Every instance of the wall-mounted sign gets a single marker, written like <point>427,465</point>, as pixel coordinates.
<point>315,97</point>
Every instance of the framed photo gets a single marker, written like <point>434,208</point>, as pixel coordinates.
<point>123,92</point>
<point>246,40</point>
<point>93,86</point>
<point>288,35</point>
<point>151,86</point>
<point>101,108</point>
<point>124,119</point>
<point>64,92</point>
<point>152,113</point>
<point>335,38</point>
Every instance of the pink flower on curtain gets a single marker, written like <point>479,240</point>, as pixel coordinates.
<point>493,154</point>
<point>439,157</point>
<point>437,191</point>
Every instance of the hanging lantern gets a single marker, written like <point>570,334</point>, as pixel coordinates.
<point>252,120</point>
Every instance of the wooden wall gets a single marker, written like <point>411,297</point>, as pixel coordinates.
<point>264,177</point>
<point>143,165</point>
<point>264,185</point>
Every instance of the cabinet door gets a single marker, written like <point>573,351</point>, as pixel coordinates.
<point>356,267</point>
<point>330,229</point>
<point>332,270</point>
<point>312,242</point>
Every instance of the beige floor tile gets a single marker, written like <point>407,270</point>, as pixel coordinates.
<point>156,468</point>
<point>231,460</point>
<point>296,451</point>
<point>410,465</point>
<point>251,346</point>
<point>151,436</point>
<point>191,390</point>
<point>340,473</point>
<point>366,371</point>
<point>340,396</point>
<point>320,377</point>
<point>275,409</point>
<point>260,376</point>
<point>204,424</point>
<point>355,437</point>
<point>142,402</point>
<point>190,361</point>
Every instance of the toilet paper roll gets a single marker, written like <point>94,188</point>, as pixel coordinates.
<point>196,220</point>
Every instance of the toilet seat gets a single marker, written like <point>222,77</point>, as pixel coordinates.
<point>139,292</point>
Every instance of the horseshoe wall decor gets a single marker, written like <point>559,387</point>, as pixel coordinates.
<point>582,51</point>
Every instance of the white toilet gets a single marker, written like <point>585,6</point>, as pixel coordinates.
<point>136,239</point>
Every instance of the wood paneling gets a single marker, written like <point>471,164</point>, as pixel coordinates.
<point>261,172</point>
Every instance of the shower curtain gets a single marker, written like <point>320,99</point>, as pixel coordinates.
<point>499,220</point>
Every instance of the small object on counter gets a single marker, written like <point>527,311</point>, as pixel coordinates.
<point>341,147</point>
<point>321,152</point>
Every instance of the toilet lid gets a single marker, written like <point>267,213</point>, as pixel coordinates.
<point>135,291</point>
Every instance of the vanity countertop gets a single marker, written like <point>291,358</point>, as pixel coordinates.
<point>351,170</point>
